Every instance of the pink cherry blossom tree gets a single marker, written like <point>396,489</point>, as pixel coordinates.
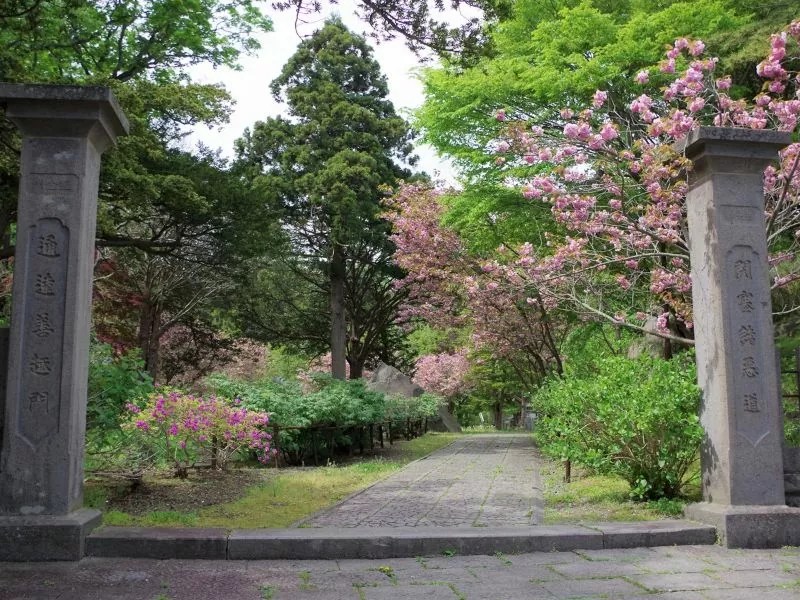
<point>444,374</point>
<point>617,189</point>
<point>448,287</point>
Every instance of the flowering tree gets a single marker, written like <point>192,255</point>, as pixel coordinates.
<point>617,186</point>
<point>444,374</point>
<point>448,287</point>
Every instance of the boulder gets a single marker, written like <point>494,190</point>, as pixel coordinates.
<point>393,382</point>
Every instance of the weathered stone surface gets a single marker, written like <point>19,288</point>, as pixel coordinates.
<point>740,411</point>
<point>46,537</point>
<point>391,381</point>
<point>654,533</point>
<point>393,542</point>
<point>649,344</point>
<point>64,130</point>
<point>750,526</point>
<point>155,542</point>
<point>725,574</point>
<point>4,332</point>
<point>791,475</point>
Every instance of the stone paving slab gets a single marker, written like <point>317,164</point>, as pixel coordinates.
<point>659,573</point>
<point>478,480</point>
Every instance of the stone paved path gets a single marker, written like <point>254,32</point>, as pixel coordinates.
<point>665,573</point>
<point>478,480</point>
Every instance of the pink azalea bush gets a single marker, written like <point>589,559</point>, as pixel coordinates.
<point>183,427</point>
<point>617,188</point>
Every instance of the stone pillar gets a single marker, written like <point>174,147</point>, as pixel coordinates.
<point>741,456</point>
<point>64,130</point>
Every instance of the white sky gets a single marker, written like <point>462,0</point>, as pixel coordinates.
<point>249,87</point>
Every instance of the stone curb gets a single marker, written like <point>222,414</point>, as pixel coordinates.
<point>387,542</point>
<point>158,542</point>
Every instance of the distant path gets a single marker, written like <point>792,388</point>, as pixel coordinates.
<point>480,480</point>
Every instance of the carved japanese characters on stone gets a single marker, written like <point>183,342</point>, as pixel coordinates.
<point>48,246</point>
<point>45,284</point>
<point>42,327</point>
<point>747,335</point>
<point>743,269</point>
<point>745,301</point>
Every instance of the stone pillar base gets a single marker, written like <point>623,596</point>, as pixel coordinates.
<point>749,526</point>
<point>46,537</point>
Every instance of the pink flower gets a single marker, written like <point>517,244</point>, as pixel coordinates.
<point>696,105</point>
<point>571,130</point>
<point>642,77</point>
<point>608,132</point>
<point>599,98</point>
<point>500,115</point>
<point>696,48</point>
<point>777,87</point>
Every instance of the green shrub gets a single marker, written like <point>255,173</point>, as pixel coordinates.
<point>633,418</point>
<point>401,408</point>
<point>334,403</point>
<point>344,405</point>
<point>114,382</point>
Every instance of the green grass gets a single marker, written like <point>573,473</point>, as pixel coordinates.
<point>291,494</point>
<point>591,498</point>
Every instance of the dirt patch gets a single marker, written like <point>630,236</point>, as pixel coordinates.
<point>203,487</point>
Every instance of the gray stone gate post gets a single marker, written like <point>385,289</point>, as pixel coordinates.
<point>65,129</point>
<point>742,463</point>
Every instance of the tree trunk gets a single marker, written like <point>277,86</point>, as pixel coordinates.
<point>149,335</point>
<point>498,415</point>
<point>356,368</point>
<point>338,322</point>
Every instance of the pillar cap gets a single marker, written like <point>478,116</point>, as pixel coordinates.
<point>733,142</point>
<point>42,110</point>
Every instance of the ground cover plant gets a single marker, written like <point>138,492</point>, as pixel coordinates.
<point>592,498</point>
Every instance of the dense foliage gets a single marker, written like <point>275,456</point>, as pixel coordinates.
<point>115,380</point>
<point>329,415</point>
<point>633,418</point>
<point>331,402</point>
<point>323,167</point>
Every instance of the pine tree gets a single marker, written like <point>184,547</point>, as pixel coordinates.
<point>325,164</point>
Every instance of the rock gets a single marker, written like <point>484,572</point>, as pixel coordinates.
<point>391,381</point>
<point>649,344</point>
